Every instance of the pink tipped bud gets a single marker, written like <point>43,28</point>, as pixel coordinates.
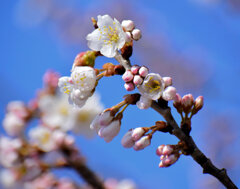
<point>143,71</point>
<point>142,143</point>
<point>144,103</point>
<point>136,34</point>
<point>128,25</point>
<point>109,132</point>
<point>137,80</point>
<point>128,36</point>
<point>167,150</point>
<point>127,140</point>
<point>159,150</point>
<point>167,81</point>
<point>169,93</point>
<point>198,104</point>
<point>137,133</point>
<point>129,86</point>
<point>178,103</point>
<point>127,76</point>
<point>134,69</point>
<point>187,102</point>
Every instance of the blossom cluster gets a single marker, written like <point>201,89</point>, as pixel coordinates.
<point>114,40</point>
<point>29,154</point>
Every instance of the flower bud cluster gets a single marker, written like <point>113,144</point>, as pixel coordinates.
<point>107,125</point>
<point>134,77</point>
<point>131,32</point>
<point>168,155</point>
<point>16,117</point>
<point>136,138</point>
<point>187,104</point>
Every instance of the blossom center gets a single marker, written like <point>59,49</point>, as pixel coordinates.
<point>110,33</point>
<point>153,85</point>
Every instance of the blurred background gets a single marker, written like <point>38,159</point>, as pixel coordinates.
<point>196,42</point>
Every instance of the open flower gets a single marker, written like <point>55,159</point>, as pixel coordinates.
<point>108,37</point>
<point>152,86</point>
<point>80,85</point>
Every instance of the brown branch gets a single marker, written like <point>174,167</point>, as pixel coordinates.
<point>77,163</point>
<point>193,150</point>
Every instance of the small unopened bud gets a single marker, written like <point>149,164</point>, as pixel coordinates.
<point>128,36</point>
<point>129,86</point>
<point>143,71</point>
<point>137,80</point>
<point>127,76</point>
<point>159,150</point>
<point>187,102</point>
<point>167,81</point>
<point>136,34</point>
<point>167,150</point>
<point>137,133</point>
<point>128,25</point>
<point>178,103</point>
<point>134,69</point>
<point>142,143</point>
<point>85,59</point>
<point>198,104</point>
<point>127,140</point>
<point>169,93</point>
<point>110,131</point>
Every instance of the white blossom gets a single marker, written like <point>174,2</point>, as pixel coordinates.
<point>57,113</point>
<point>42,137</point>
<point>80,85</point>
<point>108,37</point>
<point>8,178</point>
<point>9,155</point>
<point>152,86</point>
<point>13,124</point>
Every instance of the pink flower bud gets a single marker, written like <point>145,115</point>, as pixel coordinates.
<point>178,98</point>
<point>187,102</point>
<point>127,140</point>
<point>169,93</point>
<point>143,71</point>
<point>142,143</point>
<point>128,25</point>
<point>167,150</point>
<point>128,36</point>
<point>109,132</point>
<point>134,69</point>
<point>159,150</point>
<point>198,103</point>
<point>137,80</point>
<point>129,86</point>
<point>167,81</point>
<point>137,133</point>
<point>127,76</point>
<point>136,34</point>
<point>144,103</point>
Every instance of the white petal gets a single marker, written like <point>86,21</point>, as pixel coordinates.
<point>94,40</point>
<point>104,20</point>
<point>109,50</point>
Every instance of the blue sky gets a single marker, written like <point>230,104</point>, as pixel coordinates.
<point>191,29</point>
